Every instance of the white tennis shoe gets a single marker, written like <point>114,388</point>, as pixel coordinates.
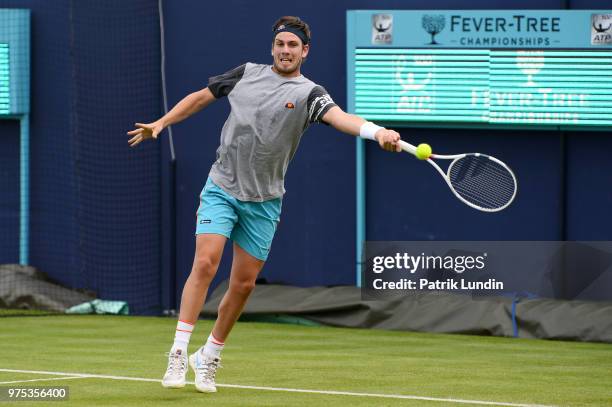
<point>205,368</point>
<point>176,371</point>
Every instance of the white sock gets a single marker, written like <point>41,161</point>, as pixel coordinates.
<point>182,336</point>
<point>213,347</point>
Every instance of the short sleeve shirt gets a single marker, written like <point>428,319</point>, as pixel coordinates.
<point>269,114</point>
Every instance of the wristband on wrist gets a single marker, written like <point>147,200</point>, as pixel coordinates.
<point>368,130</point>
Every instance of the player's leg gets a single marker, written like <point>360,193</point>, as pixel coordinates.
<point>252,236</point>
<point>215,220</point>
<point>209,248</point>
<point>206,361</point>
<point>245,269</point>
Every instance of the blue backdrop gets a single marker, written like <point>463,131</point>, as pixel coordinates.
<point>405,200</point>
<point>95,205</point>
<point>99,210</point>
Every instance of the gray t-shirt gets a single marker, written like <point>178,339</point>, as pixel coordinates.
<point>269,114</point>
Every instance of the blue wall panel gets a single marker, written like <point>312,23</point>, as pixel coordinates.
<point>589,186</point>
<point>53,244</point>
<point>407,199</point>
<point>95,220</point>
<point>116,81</point>
<point>9,191</point>
<point>315,240</point>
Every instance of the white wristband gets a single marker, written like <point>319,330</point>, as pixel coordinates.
<point>368,130</point>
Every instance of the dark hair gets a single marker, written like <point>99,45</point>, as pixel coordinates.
<point>295,22</point>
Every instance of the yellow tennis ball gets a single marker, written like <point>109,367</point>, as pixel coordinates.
<point>423,151</point>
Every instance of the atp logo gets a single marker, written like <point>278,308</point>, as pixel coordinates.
<point>433,24</point>
<point>382,28</point>
<point>601,29</point>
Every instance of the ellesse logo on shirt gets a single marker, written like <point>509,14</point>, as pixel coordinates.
<point>289,105</point>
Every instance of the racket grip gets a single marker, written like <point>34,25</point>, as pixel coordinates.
<point>407,147</point>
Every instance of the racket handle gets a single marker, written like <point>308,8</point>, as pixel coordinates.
<point>407,147</point>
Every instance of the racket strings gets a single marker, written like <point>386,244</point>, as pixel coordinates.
<point>483,192</point>
<point>482,181</point>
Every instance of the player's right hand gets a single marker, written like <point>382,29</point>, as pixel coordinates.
<point>388,140</point>
<point>143,132</point>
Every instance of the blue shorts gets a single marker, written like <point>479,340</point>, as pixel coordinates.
<point>251,225</point>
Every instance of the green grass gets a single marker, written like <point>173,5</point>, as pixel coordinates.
<point>10,312</point>
<point>318,358</point>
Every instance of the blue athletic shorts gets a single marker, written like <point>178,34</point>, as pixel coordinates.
<point>251,225</point>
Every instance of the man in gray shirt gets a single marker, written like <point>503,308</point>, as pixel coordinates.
<point>271,107</point>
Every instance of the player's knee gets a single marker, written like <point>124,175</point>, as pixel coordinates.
<point>244,287</point>
<point>204,268</point>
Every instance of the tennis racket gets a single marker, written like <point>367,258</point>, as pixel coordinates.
<point>478,180</point>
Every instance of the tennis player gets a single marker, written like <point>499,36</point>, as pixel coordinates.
<point>271,107</point>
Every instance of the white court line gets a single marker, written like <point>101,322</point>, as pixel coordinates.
<point>329,392</point>
<point>42,380</point>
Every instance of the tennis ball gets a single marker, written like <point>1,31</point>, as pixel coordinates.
<point>423,151</point>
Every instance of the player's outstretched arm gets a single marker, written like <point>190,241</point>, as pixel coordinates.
<point>192,103</point>
<point>355,125</point>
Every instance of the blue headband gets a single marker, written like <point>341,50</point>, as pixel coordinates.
<point>283,28</point>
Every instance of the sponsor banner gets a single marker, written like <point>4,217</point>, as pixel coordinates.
<point>482,28</point>
<point>560,270</point>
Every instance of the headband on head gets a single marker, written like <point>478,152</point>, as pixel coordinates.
<point>283,28</point>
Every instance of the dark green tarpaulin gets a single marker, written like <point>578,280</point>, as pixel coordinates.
<point>432,312</point>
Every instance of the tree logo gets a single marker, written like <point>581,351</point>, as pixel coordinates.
<point>433,24</point>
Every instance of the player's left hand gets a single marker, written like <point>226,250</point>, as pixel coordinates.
<point>388,140</point>
<point>145,131</point>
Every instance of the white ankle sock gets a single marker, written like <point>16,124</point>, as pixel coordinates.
<point>182,336</point>
<point>213,346</point>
